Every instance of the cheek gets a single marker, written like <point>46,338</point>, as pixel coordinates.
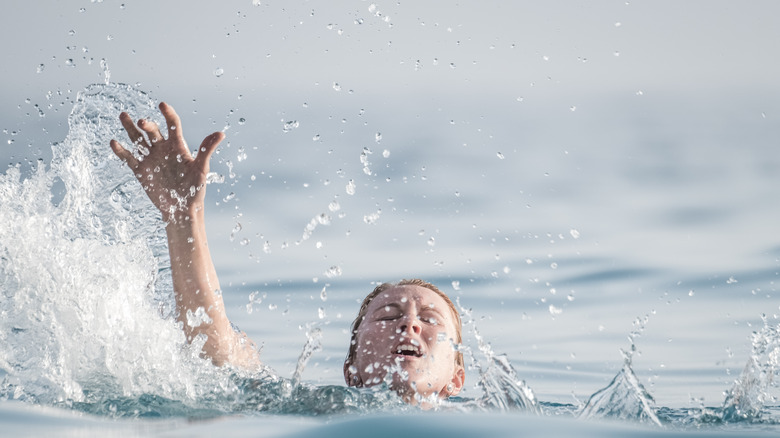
<point>376,334</point>
<point>439,339</point>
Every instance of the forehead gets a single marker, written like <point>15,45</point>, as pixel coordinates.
<point>421,296</point>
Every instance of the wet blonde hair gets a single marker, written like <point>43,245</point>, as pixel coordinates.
<point>364,309</point>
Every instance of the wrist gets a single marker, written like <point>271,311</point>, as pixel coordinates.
<point>183,215</point>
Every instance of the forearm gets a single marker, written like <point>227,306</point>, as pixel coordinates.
<point>196,286</point>
<point>168,173</point>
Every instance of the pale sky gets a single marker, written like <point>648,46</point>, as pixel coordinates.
<point>210,51</point>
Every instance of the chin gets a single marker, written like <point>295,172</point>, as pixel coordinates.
<point>411,390</point>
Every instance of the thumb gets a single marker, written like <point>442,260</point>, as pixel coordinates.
<point>207,148</point>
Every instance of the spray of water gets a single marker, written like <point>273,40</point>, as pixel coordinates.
<point>751,392</point>
<point>87,317</point>
<point>501,388</point>
<point>84,296</point>
<point>625,398</point>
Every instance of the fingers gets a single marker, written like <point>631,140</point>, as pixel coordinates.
<point>135,134</point>
<point>172,120</point>
<point>151,129</point>
<point>124,154</point>
<point>207,147</point>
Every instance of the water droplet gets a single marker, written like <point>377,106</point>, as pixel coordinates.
<point>69,62</point>
<point>316,138</point>
<point>372,218</point>
<point>214,177</point>
<point>290,125</point>
<point>456,285</point>
<point>378,137</point>
<point>350,187</point>
<point>452,65</point>
<point>323,219</point>
<point>336,86</point>
<point>385,153</point>
<point>555,310</point>
<point>219,71</point>
<point>333,271</point>
<point>574,233</point>
<point>241,121</point>
<point>109,37</point>
<point>431,241</point>
<point>500,155</point>
<point>40,68</point>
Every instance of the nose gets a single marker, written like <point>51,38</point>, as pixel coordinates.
<point>411,324</point>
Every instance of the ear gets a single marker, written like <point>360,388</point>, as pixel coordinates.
<point>458,379</point>
<point>350,378</point>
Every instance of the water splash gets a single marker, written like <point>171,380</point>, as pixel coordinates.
<point>313,345</point>
<point>625,398</point>
<point>86,308</point>
<point>501,388</point>
<point>86,302</point>
<point>750,393</point>
<point>86,298</point>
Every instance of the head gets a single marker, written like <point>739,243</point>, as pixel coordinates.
<point>406,333</point>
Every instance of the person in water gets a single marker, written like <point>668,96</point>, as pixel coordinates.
<point>405,333</point>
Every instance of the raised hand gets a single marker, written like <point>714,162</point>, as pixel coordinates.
<point>175,182</point>
<point>169,174</point>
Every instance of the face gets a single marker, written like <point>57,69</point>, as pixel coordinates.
<point>408,335</point>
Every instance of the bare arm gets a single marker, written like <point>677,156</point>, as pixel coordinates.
<point>175,181</point>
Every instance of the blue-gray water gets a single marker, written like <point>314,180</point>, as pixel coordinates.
<point>567,251</point>
<point>594,182</point>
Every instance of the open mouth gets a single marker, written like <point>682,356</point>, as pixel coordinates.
<point>408,350</point>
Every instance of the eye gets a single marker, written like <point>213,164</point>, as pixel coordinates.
<point>430,319</point>
<point>386,314</point>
